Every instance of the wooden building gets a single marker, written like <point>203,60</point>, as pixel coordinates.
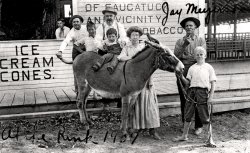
<point>32,79</point>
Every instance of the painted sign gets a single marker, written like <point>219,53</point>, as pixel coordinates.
<point>159,18</point>
<point>33,64</point>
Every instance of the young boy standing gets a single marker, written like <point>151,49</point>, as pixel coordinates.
<point>200,78</point>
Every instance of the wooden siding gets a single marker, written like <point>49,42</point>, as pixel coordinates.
<point>143,13</point>
<point>27,73</point>
<point>42,70</point>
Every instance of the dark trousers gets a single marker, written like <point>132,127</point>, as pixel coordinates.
<point>198,123</point>
<point>105,59</point>
<point>75,52</point>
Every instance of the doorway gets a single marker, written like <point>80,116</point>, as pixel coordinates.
<point>20,18</point>
<point>33,19</point>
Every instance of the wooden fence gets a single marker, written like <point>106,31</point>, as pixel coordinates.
<point>226,50</point>
<point>229,36</point>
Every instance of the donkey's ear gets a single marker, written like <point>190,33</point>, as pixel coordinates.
<point>152,39</point>
<point>155,45</point>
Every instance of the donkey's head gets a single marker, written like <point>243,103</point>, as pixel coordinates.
<point>165,59</point>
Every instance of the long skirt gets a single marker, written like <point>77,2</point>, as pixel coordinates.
<point>145,113</point>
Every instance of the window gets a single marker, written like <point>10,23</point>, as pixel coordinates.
<point>67,11</point>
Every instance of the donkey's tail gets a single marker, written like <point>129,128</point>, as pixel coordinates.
<point>66,61</point>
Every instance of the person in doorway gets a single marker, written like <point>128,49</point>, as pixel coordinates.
<point>184,50</point>
<point>200,78</point>
<point>62,30</point>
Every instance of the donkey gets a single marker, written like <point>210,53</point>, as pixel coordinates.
<point>126,82</point>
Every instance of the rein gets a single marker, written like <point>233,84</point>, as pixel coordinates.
<point>124,73</point>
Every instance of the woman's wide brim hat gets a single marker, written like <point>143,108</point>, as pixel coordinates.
<point>110,10</point>
<point>134,29</point>
<point>195,20</point>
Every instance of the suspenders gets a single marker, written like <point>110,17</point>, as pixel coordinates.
<point>103,27</point>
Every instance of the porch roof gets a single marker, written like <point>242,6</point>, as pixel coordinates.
<point>231,9</point>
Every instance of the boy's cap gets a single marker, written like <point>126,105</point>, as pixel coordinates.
<point>195,20</point>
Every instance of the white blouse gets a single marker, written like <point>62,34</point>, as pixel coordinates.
<point>129,51</point>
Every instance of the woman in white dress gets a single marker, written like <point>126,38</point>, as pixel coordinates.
<point>145,114</point>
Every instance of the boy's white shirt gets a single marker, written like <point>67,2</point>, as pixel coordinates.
<point>91,43</point>
<point>201,75</point>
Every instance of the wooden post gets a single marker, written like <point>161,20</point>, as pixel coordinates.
<point>2,34</point>
<point>244,48</point>
<point>235,21</point>
<point>0,13</point>
<point>215,19</point>
<point>215,23</point>
<point>216,50</point>
<point>209,26</point>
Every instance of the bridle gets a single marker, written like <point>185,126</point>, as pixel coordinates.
<point>162,59</point>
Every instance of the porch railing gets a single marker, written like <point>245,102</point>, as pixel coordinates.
<point>225,50</point>
<point>229,36</point>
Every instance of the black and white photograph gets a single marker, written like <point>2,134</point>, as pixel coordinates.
<point>116,76</point>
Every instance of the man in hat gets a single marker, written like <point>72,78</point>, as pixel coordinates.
<point>109,22</point>
<point>184,50</point>
<point>78,32</point>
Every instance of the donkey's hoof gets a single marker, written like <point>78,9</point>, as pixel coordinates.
<point>79,105</point>
<point>85,126</point>
<point>90,122</point>
<point>125,138</point>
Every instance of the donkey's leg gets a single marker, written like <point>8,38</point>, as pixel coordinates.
<point>125,116</point>
<point>82,100</point>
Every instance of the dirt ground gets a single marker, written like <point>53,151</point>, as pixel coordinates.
<point>231,134</point>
